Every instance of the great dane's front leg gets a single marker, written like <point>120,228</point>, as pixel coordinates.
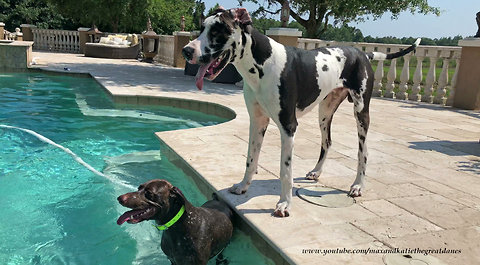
<point>286,179</point>
<point>258,126</point>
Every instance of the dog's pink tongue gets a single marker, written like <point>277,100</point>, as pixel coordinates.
<point>202,70</point>
<point>126,216</point>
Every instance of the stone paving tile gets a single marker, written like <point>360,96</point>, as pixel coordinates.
<point>423,172</point>
<point>383,208</point>
<point>465,239</point>
<point>386,227</point>
<point>340,258</point>
<point>440,210</point>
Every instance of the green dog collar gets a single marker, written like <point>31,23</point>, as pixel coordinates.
<point>171,222</point>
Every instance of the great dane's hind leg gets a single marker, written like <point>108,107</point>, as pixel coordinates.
<point>258,126</point>
<point>362,116</point>
<point>326,109</point>
<point>286,179</point>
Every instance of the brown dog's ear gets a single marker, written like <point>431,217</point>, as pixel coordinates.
<point>241,15</point>
<point>176,192</point>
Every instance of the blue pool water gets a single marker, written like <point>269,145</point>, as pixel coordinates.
<point>54,210</point>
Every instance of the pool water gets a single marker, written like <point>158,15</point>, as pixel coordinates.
<point>54,210</point>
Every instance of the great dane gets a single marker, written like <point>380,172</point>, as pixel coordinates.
<point>283,83</point>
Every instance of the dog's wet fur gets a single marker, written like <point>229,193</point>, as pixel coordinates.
<point>199,235</point>
<point>283,83</point>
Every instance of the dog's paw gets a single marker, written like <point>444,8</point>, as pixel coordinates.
<point>281,210</point>
<point>239,188</point>
<point>313,175</point>
<point>355,190</point>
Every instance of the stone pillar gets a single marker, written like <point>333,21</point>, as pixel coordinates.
<point>285,36</point>
<point>467,91</point>
<point>27,31</point>
<point>2,30</point>
<point>181,38</point>
<point>83,38</point>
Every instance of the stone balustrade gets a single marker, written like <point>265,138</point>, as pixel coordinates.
<point>416,88</point>
<point>56,40</point>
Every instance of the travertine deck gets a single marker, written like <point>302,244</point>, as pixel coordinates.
<point>423,176</point>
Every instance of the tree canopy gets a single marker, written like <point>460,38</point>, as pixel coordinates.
<point>39,12</point>
<point>315,15</point>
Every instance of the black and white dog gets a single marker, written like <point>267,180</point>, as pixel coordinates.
<point>282,83</point>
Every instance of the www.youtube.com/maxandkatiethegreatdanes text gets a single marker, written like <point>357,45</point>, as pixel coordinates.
<point>403,251</point>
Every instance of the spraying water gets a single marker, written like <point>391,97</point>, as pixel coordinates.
<point>72,154</point>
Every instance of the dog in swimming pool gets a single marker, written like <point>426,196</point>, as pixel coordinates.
<point>191,235</point>
<point>283,83</point>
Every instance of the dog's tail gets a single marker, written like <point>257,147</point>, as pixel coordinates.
<point>383,56</point>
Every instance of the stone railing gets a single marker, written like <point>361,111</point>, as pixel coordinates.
<point>56,40</point>
<point>166,47</point>
<point>429,89</point>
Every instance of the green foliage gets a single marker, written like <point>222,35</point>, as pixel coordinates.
<point>108,15</point>
<point>39,12</point>
<point>166,15</point>
<point>444,41</point>
<point>198,14</point>
<point>314,15</point>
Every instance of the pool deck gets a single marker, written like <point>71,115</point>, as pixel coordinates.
<point>423,176</point>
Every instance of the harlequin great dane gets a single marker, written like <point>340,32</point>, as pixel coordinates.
<point>282,83</point>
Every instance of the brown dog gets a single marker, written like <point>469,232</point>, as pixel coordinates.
<point>194,234</point>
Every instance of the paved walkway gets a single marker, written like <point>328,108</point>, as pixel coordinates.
<point>423,176</point>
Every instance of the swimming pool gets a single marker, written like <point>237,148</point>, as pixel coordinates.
<point>54,210</point>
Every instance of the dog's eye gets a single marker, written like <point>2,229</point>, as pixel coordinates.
<point>149,195</point>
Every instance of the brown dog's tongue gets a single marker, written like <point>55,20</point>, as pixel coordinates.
<point>126,216</point>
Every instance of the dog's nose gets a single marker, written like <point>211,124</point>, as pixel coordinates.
<point>187,53</point>
<point>122,199</point>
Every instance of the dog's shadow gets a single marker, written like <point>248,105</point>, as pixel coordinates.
<point>268,189</point>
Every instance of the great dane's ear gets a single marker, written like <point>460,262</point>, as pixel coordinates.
<point>241,15</point>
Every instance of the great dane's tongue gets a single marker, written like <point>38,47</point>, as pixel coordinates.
<point>127,216</point>
<point>202,70</point>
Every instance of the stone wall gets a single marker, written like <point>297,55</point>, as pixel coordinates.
<point>16,55</point>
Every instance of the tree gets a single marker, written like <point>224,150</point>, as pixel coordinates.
<point>198,15</point>
<point>39,12</point>
<point>166,15</point>
<point>315,15</point>
<point>109,15</point>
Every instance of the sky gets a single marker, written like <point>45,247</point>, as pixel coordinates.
<point>456,18</point>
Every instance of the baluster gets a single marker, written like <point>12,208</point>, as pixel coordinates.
<point>63,41</point>
<point>68,41</point>
<point>377,84</point>
<point>430,80</point>
<point>453,83</point>
<point>442,84</point>
<point>404,77</point>
<point>417,80</point>
<point>392,74</point>
<point>41,36</point>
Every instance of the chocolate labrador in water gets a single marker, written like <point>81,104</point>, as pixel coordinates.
<point>191,235</point>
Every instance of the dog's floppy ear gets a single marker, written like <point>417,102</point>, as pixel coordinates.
<point>176,192</point>
<point>241,15</point>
